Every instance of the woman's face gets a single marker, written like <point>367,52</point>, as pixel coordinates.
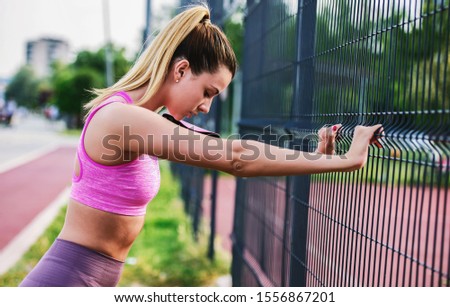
<point>194,94</point>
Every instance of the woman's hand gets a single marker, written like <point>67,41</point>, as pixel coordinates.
<point>358,152</point>
<point>362,138</point>
<point>327,138</point>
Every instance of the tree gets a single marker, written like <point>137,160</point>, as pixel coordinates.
<point>72,83</point>
<point>71,92</point>
<point>234,29</point>
<point>24,88</point>
<point>96,61</point>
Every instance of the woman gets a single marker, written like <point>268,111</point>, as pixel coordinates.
<point>116,170</point>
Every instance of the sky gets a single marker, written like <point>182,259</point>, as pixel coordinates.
<point>79,22</point>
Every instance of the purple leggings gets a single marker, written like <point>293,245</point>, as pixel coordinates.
<point>68,264</point>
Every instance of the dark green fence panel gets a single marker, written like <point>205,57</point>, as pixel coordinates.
<point>313,63</point>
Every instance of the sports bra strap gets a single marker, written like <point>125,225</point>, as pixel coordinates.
<point>109,100</point>
<point>123,95</point>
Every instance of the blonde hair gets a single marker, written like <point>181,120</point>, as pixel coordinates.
<point>188,35</point>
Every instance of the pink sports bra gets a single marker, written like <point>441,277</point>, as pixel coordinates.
<point>122,189</point>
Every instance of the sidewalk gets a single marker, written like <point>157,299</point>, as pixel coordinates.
<point>36,163</point>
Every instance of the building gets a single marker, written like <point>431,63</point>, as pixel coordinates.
<point>42,52</point>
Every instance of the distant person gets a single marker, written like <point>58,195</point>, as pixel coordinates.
<point>116,170</point>
<point>2,110</point>
<point>51,112</point>
<point>10,109</point>
<point>54,112</point>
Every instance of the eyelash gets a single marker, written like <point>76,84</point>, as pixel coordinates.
<point>207,94</point>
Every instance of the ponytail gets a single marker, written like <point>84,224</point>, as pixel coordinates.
<point>180,38</point>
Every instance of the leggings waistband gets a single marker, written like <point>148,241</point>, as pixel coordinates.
<point>69,264</point>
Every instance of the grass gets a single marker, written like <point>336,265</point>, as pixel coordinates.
<point>164,254</point>
<point>71,132</point>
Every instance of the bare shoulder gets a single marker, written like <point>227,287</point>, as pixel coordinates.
<point>116,116</point>
<point>115,124</point>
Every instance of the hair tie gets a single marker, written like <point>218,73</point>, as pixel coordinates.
<point>206,20</point>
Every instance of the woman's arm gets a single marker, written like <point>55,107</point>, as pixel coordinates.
<point>282,161</point>
<point>143,131</point>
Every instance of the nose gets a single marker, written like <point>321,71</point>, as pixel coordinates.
<point>205,106</point>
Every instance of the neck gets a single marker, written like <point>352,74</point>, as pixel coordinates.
<point>154,103</point>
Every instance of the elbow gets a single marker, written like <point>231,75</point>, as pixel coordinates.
<point>237,169</point>
<point>237,166</point>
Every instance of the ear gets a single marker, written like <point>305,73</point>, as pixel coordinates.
<point>180,68</point>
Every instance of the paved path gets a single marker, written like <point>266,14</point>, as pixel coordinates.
<point>28,189</point>
<point>35,172</point>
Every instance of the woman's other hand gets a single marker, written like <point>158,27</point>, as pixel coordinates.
<point>327,139</point>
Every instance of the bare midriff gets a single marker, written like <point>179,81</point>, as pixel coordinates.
<point>108,233</point>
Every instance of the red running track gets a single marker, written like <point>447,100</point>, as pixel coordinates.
<point>226,191</point>
<point>27,189</point>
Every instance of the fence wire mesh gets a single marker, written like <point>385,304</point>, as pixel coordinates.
<point>311,63</point>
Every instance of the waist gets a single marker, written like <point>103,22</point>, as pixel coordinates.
<point>107,233</point>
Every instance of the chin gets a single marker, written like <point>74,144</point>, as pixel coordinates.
<point>175,115</point>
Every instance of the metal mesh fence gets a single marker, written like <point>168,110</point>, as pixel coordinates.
<point>192,178</point>
<point>312,63</point>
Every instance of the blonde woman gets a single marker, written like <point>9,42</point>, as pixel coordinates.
<point>116,170</point>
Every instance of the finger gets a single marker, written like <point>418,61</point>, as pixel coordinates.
<point>338,132</point>
<point>330,140</point>
<point>322,132</point>
<point>378,144</point>
<point>336,128</point>
<point>378,128</point>
<point>379,132</point>
<point>331,134</point>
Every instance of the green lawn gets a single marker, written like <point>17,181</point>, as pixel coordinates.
<point>72,132</point>
<point>164,254</point>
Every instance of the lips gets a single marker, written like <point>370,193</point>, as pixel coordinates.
<point>190,114</point>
